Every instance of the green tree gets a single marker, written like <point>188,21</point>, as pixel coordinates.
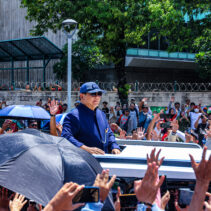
<point>116,25</point>
<point>203,57</point>
<point>85,58</point>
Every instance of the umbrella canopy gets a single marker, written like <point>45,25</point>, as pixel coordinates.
<point>36,165</point>
<point>59,119</point>
<point>24,112</point>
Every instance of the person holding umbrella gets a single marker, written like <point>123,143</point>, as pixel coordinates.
<point>86,126</point>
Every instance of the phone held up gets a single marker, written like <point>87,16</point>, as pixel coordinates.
<point>89,194</point>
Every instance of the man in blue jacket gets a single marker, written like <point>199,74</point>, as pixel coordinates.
<point>86,126</point>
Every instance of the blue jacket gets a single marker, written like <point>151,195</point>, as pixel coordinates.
<point>83,126</point>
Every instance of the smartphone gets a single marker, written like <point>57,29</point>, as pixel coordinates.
<point>165,125</point>
<point>128,201</point>
<point>88,194</point>
<point>185,196</point>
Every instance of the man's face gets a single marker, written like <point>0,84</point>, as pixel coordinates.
<point>33,125</point>
<point>127,113</point>
<point>91,100</point>
<point>132,106</point>
<point>177,105</point>
<point>145,109</point>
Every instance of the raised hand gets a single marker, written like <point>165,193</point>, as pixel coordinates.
<point>54,107</point>
<point>4,199</point>
<point>203,169</point>
<point>140,132</point>
<point>172,99</point>
<point>102,181</point>
<point>164,200</point>
<point>117,204</point>
<point>63,199</point>
<point>144,99</point>
<point>155,136</point>
<point>17,203</point>
<point>155,158</point>
<point>146,189</point>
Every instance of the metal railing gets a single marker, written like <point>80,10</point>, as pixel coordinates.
<point>112,86</point>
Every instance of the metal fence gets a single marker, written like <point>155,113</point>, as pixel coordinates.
<point>112,86</point>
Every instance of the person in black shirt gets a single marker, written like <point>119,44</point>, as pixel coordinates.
<point>105,109</point>
<point>201,128</point>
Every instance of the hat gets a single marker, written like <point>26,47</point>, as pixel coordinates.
<point>90,87</point>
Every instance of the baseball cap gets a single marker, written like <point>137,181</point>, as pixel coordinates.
<point>90,87</point>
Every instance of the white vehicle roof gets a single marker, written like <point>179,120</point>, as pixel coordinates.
<point>132,161</point>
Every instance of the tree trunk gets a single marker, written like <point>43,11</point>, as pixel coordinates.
<point>122,81</point>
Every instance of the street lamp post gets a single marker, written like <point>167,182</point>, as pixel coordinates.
<point>69,23</point>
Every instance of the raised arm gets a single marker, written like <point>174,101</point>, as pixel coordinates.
<point>202,171</point>
<point>151,125</point>
<point>141,103</point>
<point>53,110</point>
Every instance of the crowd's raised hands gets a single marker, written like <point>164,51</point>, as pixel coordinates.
<point>102,181</point>
<point>17,203</point>
<point>146,189</point>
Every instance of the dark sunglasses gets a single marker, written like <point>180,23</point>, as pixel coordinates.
<point>96,94</point>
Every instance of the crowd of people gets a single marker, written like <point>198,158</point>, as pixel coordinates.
<point>87,128</point>
<point>147,191</point>
<point>188,123</point>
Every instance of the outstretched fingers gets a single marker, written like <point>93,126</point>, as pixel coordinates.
<point>204,154</point>
<point>193,162</point>
<point>111,182</point>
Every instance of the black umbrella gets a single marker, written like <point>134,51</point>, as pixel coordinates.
<point>36,164</point>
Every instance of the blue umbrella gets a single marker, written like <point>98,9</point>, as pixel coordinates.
<point>59,119</point>
<point>24,112</point>
<point>36,165</point>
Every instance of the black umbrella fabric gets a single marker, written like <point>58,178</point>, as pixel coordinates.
<point>36,165</point>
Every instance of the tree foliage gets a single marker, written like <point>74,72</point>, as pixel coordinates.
<point>85,58</point>
<point>116,25</point>
<point>203,57</point>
